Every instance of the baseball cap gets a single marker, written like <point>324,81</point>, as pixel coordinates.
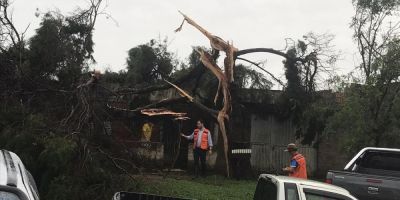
<point>291,147</point>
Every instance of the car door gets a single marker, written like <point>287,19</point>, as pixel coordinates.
<point>291,191</point>
<point>317,194</point>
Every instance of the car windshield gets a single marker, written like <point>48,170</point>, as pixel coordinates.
<point>266,190</point>
<point>8,196</point>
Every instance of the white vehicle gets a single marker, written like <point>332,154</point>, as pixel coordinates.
<point>16,183</point>
<point>273,187</point>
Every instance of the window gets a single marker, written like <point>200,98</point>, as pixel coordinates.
<point>291,192</point>
<point>8,196</point>
<point>310,196</point>
<point>314,194</point>
<point>381,161</point>
<point>265,190</point>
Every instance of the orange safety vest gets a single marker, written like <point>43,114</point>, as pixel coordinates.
<point>204,139</point>
<point>301,170</point>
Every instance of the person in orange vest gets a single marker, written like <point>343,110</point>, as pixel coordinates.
<point>298,166</point>
<point>202,143</point>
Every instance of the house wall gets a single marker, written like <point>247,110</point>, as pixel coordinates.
<point>269,137</point>
<point>159,150</point>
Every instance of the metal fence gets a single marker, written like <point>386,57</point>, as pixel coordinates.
<point>272,158</point>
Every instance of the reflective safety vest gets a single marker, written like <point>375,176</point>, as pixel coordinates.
<point>204,139</point>
<point>301,170</point>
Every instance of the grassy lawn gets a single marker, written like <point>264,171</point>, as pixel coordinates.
<point>212,187</point>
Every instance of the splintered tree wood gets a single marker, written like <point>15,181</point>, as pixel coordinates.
<point>181,92</point>
<point>161,111</point>
<point>209,63</point>
<point>224,78</point>
<point>229,62</point>
<point>207,60</point>
<point>216,42</point>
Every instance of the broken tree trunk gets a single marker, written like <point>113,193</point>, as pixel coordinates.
<point>223,114</point>
<point>224,77</point>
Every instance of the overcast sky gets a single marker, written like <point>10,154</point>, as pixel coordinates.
<point>248,23</point>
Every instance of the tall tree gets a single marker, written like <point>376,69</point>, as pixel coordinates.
<point>368,116</point>
<point>373,31</point>
<point>60,50</point>
<point>225,76</point>
<point>149,63</point>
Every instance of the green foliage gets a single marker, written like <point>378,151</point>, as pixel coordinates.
<point>149,63</point>
<point>58,153</point>
<point>244,77</point>
<point>295,88</point>
<point>295,98</point>
<point>307,107</point>
<point>59,51</point>
<point>113,80</point>
<point>212,187</point>
<point>65,164</point>
<point>349,122</point>
<point>377,6</point>
<point>312,122</point>
<point>369,115</point>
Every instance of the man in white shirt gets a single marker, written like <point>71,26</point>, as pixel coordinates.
<point>202,143</point>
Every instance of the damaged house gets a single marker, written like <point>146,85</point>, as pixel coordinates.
<point>258,136</point>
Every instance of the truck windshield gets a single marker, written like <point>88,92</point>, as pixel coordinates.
<point>381,161</point>
<point>266,190</point>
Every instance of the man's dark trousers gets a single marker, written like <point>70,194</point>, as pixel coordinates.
<point>199,154</point>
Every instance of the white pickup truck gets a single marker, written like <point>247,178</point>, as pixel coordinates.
<point>16,183</point>
<point>273,187</point>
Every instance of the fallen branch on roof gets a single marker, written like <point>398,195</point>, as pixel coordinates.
<point>163,102</point>
<point>160,112</point>
<point>259,67</point>
<point>196,71</point>
<point>181,92</point>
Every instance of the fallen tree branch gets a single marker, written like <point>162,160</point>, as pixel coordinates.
<point>265,50</point>
<point>196,71</point>
<point>258,66</point>
<point>113,160</point>
<point>212,112</point>
<point>182,92</point>
<point>159,103</point>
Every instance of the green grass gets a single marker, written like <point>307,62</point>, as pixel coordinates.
<point>212,187</point>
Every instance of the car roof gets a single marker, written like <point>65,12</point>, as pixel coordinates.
<point>381,149</point>
<point>12,173</point>
<point>306,182</point>
<point>351,162</point>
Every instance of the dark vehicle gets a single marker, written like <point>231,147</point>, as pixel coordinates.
<point>16,183</point>
<point>373,174</point>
